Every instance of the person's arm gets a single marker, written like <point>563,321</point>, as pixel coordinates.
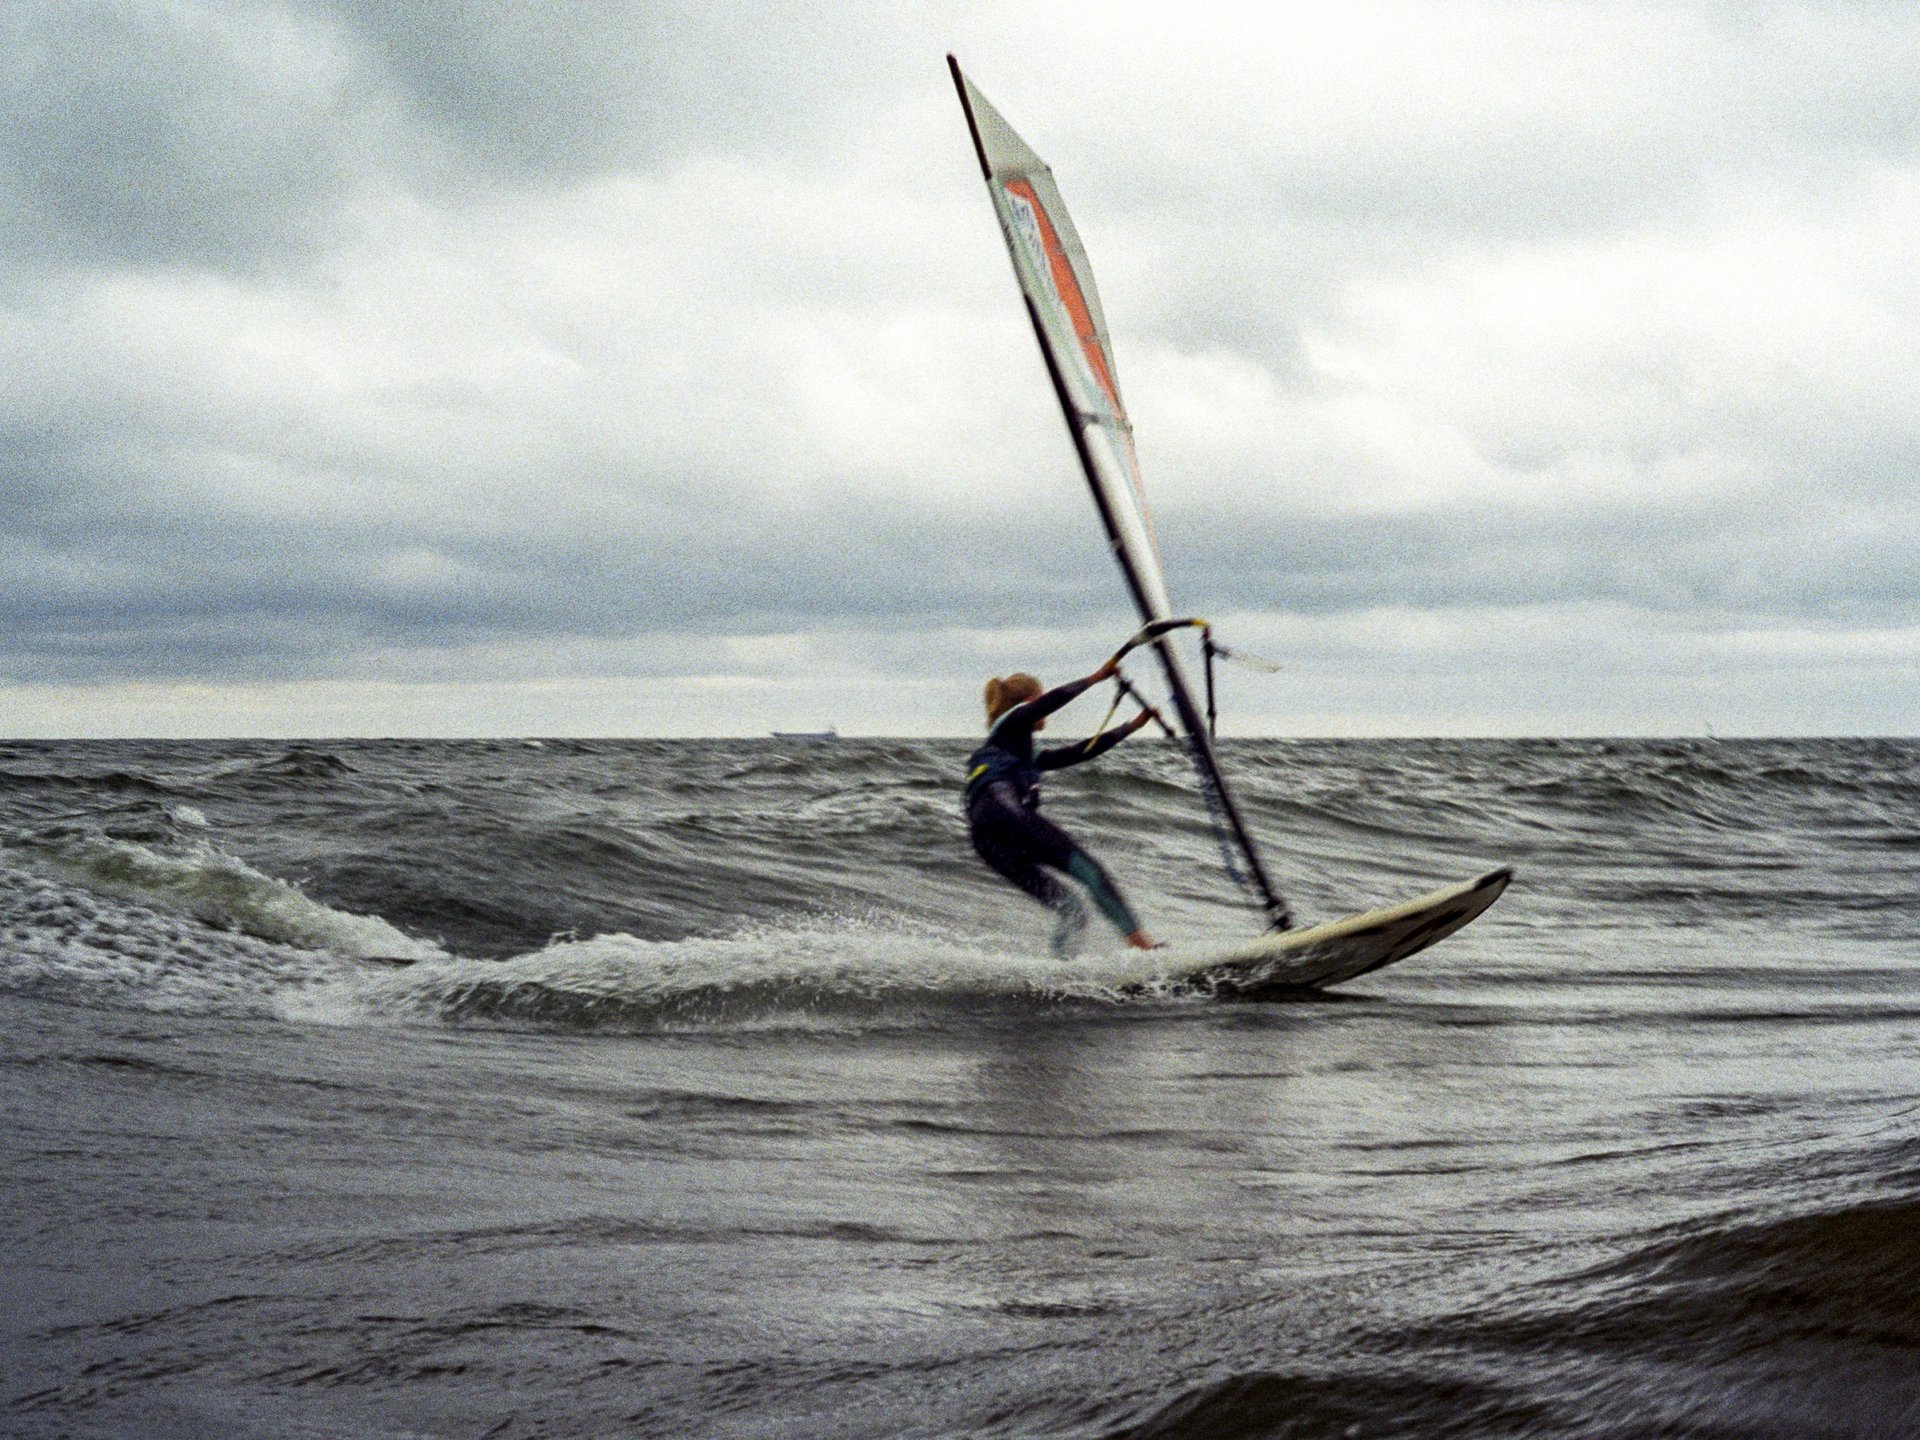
<point>1060,696</point>
<point>1058,757</point>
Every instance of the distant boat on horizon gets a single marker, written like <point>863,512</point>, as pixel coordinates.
<point>830,733</point>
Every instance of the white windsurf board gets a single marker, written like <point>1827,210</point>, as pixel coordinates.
<point>1339,950</point>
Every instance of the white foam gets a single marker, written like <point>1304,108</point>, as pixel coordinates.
<point>769,970</point>
<point>64,942</point>
<point>227,893</point>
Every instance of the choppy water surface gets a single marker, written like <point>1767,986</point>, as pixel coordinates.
<point>726,1094</point>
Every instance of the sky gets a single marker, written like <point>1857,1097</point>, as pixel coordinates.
<point>433,368</point>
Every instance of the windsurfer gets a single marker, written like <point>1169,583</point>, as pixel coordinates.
<point>1003,804</point>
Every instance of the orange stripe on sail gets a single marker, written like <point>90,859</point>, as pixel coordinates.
<point>1067,285</point>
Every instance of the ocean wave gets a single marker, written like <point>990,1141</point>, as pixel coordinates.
<point>1848,1274</point>
<point>103,783</point>
<point>215,888</point>
<point>304,763</point>
<point>65,944</point>
<point>1843,1277</point>
<point>429,851</point>
<point>1369,1400</point>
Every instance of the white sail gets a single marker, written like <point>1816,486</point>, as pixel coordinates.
<point>1051,266</point>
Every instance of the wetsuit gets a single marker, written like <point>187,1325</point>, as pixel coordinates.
<point>1003,803</point>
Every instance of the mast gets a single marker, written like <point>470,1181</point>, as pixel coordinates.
<point>1064,307</point>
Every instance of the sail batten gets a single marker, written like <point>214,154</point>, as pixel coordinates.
<point>1050,265</point>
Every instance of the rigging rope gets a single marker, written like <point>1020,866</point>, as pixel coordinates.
<point>1216,808</point>
<point>1124,690</point>
<point>1119,694</point>
<point>1217,814</point>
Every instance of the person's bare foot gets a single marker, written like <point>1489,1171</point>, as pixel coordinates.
<point>1140,940</point>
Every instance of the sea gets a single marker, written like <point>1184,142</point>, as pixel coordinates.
<point>714,1088</point>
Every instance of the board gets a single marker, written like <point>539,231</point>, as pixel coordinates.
<point>1294,960</point>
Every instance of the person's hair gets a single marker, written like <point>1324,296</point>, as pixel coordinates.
<point>1003,695</point>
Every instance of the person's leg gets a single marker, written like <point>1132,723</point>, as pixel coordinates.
<point>1002,838</point>
<point>1003,842</point>
<point>1053,846</point>
<point>1018,842</point>
<point>1090,873</point>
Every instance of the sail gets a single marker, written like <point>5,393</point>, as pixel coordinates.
<point>1063,303</point>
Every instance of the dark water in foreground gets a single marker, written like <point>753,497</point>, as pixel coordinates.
<point>727,1095</point>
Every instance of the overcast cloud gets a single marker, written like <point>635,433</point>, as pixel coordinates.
<point>458,368</point>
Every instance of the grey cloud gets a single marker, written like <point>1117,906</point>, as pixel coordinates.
<point>1245,225</point>
<point>244,138</point>
<point>552,93</point>
<point>1756,559</point>
<point>232,136</point>
<point>139,134</point>
<point>107,580</point>
<point>523,89</point>
<point>104,577</point>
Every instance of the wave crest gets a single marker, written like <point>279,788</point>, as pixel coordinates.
<point>217,889</point>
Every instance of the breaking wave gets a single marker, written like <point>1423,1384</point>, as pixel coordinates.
<point>85,916</point>
<point>217,889</point>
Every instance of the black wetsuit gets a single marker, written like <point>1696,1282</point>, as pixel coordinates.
<point>1003,803</point>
